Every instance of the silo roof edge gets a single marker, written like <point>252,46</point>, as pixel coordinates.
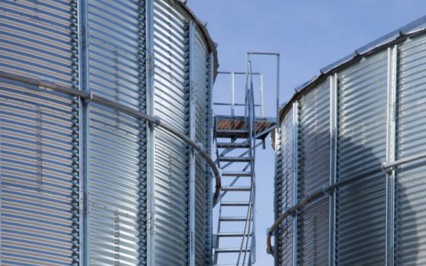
<point>210,43</point>
<point>416,27</point>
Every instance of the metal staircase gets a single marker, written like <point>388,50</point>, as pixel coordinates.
<point>236,140</point>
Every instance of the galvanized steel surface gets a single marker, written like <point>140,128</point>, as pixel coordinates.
<point>284,191</point>
<point>361,145</point>
<point>410,184</point>
<point>113,187</point>
<point>314,153</point>
<point>116,172</point>
<point>363,234</point>
<point>114,193</point>
<point>171,156</point>
<point>114,49</point>
<point>202,93</point>
<point>36,176</point>
<point>35,39</point>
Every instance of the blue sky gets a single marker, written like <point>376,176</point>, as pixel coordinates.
<point>309,34</point>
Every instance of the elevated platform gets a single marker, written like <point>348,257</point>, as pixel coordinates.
<point>235,127</point>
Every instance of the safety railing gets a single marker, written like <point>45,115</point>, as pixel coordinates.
<point>233,104</point>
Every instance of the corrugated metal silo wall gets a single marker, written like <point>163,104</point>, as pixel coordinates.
<point>116,177</point>
<point>361,146</point>
<point>201,88</point>
<point>375,222</point>
<point>410,217</point>
<point>171,158</point>
<point>38,135</point>
<point>74,173</point>
<point>284,190</point>
<point>314,154</point>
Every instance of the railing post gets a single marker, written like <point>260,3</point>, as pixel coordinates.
<point>262,100</point>
<point>233,93</point>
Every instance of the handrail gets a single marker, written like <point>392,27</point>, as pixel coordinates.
<point>233,104</point>
<point>120,107</point>
<point>389,166</point>
<point>317,194</point>
<point>251,116</point>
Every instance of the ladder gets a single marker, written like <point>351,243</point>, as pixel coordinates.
<point>236,140</point>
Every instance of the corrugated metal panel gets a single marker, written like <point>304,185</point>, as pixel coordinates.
<point>314,172</point>
<point>360,236</point>
<point>202,129</point>
<point>113,188</point>
<point>113,33</point>
<point>410,199</point>
<point>36,139</point>
<point>171,105</point>
<point>117,176</point>
<point>35,39</point>
<point>284,191</point>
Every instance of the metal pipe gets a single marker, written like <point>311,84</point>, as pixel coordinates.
<point>278,90</point>
<point>120,107</point>
<point>45,84</point>
<point>233,94</point>
<point>262,101</point>
<point>319,193</point>
<point>389,166</point>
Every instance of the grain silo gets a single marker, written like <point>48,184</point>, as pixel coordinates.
<point>103,107</point>
<point>350,176</point>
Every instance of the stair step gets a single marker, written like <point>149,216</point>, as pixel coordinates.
<point>224,264</point>
<point>231,250</point>
<point>233,219</point>
<point>233,145</point>
<point>234,159</point>
<point>233,188</point>
<point>234,203</point>
<point>236,173</point>
<point>233,234</point>
<point>232,131</point>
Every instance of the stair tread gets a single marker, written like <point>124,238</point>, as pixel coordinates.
<point>236,173</point>
<point>234,159</point>
<point>232,234</point>
<point>234,188</point>
<point>235,203</point>
<point>231,250</point>
<point>243,130</point>
<point>233,218</point>
<point>232,145</point>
